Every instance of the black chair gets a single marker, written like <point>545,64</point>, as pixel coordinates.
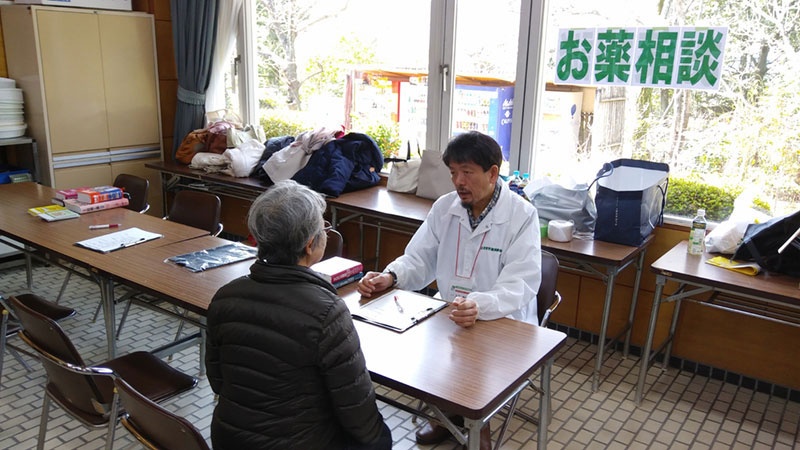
<point>154,426</point>
<point>10,326</point>
<point>547,300</point>
<point>335,245</point>
<point>87,392</point>
<point>136,189</point>
<point>197,209</point>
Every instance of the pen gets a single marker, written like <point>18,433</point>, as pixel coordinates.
<point>397,302</point>
<point>100,227</point>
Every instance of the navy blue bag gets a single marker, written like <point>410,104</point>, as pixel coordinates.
<point>630,201</point>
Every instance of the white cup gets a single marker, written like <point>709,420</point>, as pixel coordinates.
<point>560,230</point>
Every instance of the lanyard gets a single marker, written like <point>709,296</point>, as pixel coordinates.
<point>458,252</point>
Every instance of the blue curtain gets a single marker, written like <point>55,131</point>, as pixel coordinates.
<point>194,31</point>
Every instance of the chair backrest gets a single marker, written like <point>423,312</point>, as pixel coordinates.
<point>547,298</point>
<point>137,188</point>
<point>335,244</point>
<point>197,209</point>
<point>154,426</point>
<point>87,396</point>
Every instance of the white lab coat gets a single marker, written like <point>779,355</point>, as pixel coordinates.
<point>498,266</point>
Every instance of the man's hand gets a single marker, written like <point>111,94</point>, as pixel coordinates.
<point>464,312</point>
<point>374,282</point>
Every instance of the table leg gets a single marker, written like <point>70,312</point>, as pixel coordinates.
<point>28,267</point>
<point>107,297</point>
<point>473,433</point>
<point>644,361</point>
<point>671,336</point>
<point>601,341</point>
<point>634,301</point>
<point>544,405</point>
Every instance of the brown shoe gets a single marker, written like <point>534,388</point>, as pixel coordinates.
<point>432,433</point>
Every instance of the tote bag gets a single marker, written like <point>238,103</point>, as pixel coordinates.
<point>630,201</point>
<point>434,176</point>
<point>774,244</point>
<point>404,174</point>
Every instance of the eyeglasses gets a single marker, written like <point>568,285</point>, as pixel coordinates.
<point>327,226</point>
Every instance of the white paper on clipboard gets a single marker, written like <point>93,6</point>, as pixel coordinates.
<point>397,310</point>
<point>120,239</point>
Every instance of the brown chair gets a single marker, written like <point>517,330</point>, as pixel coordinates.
<point>547,300</point>
<point>154,426</point>
<point>197,209</point>
<point>335,245</point>
<point>136,189</point>
<point>87,392</point>
<point>10,326</point>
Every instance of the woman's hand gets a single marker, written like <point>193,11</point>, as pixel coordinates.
<point>374,282</point>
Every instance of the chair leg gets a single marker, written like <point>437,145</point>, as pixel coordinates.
<point>19,359</point>
<point>97,311</point>
<point>3,328</point>
<point>124,316</point>
<point>112,420</point>
<point>512,408</point>
<point>43,421</point>
<point>64,288</point>
<point>202,351</point>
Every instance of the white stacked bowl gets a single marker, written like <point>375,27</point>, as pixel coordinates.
<point>12,122</point>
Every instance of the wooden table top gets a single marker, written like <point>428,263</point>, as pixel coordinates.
<point>60,237</point>
<point>678,264</point>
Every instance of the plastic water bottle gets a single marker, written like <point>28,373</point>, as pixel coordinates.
<point>514,181</point>
<point>697,236</point>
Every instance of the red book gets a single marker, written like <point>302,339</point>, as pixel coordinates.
<point>81,207</point>
<point>99,194</point>
<point>63,194</point>
<point>336,268</point>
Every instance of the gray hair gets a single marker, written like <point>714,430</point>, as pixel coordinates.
<point>283,219</point>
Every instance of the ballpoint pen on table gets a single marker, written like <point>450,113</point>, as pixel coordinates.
<point>397,302</point>
<point>100,227</point>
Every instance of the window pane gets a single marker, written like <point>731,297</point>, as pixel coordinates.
<point>342,63</point>
<point>719,144</point>
<point>486,63</point>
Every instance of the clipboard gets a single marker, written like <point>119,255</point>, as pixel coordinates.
<point>397,310</point>
<point>120,239</point>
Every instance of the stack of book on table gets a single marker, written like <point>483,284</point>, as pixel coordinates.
<point>51,213</point>
<point>339,271</point>
<point>89,199</point>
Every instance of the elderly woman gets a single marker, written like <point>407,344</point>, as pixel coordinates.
<point>282,352</point>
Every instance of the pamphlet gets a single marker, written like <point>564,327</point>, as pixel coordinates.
<point>121,239</point>
<point>747,268</point>
<point>397,310</point>
<point>52,216</point>
<point>214,257</point>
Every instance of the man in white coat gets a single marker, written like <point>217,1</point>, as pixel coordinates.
<point>481,245</point>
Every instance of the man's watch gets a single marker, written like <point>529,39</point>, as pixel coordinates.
<point>394,276</point>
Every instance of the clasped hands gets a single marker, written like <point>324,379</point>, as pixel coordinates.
<point>464,312</point>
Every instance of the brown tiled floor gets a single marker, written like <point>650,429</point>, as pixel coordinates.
<point>682,410</point>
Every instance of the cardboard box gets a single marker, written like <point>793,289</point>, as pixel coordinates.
<point>120,5</point>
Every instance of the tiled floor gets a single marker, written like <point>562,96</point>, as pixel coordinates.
<point>681,411</point>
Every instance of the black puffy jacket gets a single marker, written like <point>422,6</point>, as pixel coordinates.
<point>286,361</point>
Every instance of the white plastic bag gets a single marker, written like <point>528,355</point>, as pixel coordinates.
<point>727,235</point>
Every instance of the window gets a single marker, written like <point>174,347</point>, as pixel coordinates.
<point>421,70</point>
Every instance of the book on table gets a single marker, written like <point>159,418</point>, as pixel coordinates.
<point>338,270</point>
<point>45,209</point>
<point>117,240</point>
<point>54,215</point>
<point>63,194</point>
<point>397,310</point>
<point>98,194</point>
<point>82,207</point>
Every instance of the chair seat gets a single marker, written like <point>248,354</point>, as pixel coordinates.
<point>151,376</point>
